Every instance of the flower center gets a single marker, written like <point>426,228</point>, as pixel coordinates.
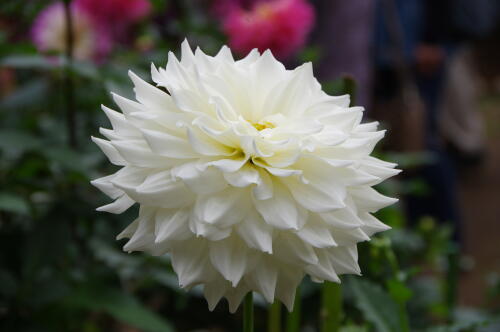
<point>263,125</point>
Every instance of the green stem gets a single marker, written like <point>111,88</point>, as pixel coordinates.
<point>248,313</point>
<point>403,314</point>
<point>331,307</point>
<point>293,318</point>
<point>274,317</point>
<point>69,99</point>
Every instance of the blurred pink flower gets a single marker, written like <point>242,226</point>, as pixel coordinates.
<point>116,15</point>
<point>279,25</point>
<point>90,41</point>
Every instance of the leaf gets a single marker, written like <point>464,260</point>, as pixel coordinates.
<point>377,305</point>
<point>353,328</point>
<point>13,203</point>
<point>14,143</point>
<point>398,290</point>
<point>120,305</point>
<point>28,94</point>
<point>20,61</point>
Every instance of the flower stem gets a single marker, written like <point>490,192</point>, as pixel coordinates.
<point>331,307</point>
<point>67,79</point>
<point>274,317</point>
<point>293,318</point>
<point>248,313</point>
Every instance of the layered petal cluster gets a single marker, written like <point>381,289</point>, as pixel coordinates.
<point>247,174</point>
<point>279,25</point>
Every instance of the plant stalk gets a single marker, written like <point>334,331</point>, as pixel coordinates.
<point>274,317</point>
<point>293,318</point>
<point>331,307</point>
<point>69,99</point>
<point>248,313</point>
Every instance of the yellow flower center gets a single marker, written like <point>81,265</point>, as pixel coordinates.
<point>263,125</point>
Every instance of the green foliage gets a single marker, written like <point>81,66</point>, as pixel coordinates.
<point>118,304</point>
<point>62,269</point>
<point>376,304</point>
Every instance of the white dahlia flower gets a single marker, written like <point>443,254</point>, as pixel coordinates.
<point>247,174</point>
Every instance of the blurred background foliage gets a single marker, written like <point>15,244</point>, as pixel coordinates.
<point>61,268</point>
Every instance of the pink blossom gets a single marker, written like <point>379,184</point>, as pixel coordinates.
<point>116,14</point>
<point>279,25</point>
<point>49,30</point>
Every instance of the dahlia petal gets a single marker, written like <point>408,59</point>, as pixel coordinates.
<point>235,296</point>
<point>290,248</point>
<point>342,218</point>
<point>256,233</point>
<point>214,291</point>
<point>324,269</point>
<point>344,260</point>
<point>120,205</point>
<point>263,278</point>
<point>207,146</point>
<point>168,145</point>
<point>371,224</point>
<point>229,257</point>
<point>316,234</point>
<point>150,95</point>
<point>143,237</point>
<point>187,56</point>
<point>110,151</point>
<point>367,127</point>
<point>208,231</point>
<point>138,154</point>
<point>314,197</point>
<point>190,262</point>
<point>224,208</point>
<point>129,231</point>
<point>208,181</point>
<point>281,211</point>
<point>283,158</point>
<point>104,184</point>
<point>127,106</point>
<point>348,236</point>
<point>369,200</point>
<point>244,177</point>
<point>288,280</point>
<point>171,225</point>
<point>264,188</point>
<point>120,124</point>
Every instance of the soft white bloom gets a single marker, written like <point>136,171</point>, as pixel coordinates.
<point>246,173</point>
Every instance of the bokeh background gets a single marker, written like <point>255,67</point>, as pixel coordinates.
<point>429,71</point>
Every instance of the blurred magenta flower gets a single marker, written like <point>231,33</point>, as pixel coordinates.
<point>279,25</point>
<point>97,25</point>
<point>90,40</point>
<point>116,15</point>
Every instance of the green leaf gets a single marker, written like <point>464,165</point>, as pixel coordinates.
<point>377,305</point>
<point>353,328</point>
<point>20,61</point>
<point>398,290</point>
<point>13,143</point>
<point>120,305</point>
<point>13,203</point>
<point>27,95</point>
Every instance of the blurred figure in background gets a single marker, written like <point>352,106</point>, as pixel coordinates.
<point>425,43</point>
<point>413,41</point>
